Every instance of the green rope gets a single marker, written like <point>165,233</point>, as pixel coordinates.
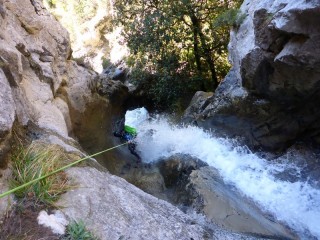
<point>56,171</point>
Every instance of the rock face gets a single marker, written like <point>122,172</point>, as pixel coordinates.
<point>280,58</point>
<point>34,68</point>
<point>94,39</point>
<point>44,95</point>
<point>274,86</point>
<point>41,89</point>
<point>113,209</point>
<point>7,115</point>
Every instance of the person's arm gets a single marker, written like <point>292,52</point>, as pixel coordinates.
<point>116,134</point>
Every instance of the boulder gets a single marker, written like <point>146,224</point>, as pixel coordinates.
<point>176,171</point>
<point>116,91</point>
<point>230,210</point>
<point>113,209</point>
<point>192,184</point>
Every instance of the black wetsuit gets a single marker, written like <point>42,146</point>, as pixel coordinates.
<point>127,137</point>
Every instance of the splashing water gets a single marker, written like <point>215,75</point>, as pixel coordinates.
<point>136,117</point>
<point>296,203</point>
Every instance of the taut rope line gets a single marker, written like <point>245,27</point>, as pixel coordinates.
<point>56,171</point>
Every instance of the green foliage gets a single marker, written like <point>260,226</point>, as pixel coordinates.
<point>230,18</point>
<point>33,162</point>
<point>85,9</point>
<point>167,85</point>
<point>178,47</point>
<point>78,231</point>
<point>51,3</point>
<point>105,63</point>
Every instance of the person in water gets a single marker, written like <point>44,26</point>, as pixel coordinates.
<point>127,134</point>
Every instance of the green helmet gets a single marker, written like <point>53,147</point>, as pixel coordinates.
<point>130,130</point>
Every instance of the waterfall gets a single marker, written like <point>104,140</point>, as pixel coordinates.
<point>296,203</point>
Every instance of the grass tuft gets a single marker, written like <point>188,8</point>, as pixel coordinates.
<point>35,161</point>
<point>77,231</point>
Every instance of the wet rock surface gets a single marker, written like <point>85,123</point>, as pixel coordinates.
<point>192,184</point>
<point>176,171</point>
<point>221,205</point>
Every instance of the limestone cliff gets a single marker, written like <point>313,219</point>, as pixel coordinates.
<point>93,38</point>
<point>270,96</point>
<point>39,82</point>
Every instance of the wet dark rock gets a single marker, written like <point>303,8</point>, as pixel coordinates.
<point>119,74</point>
<point>116,72</point>
<point>116,91</point>
<point>147,179</point>
<point>191,183</point>
<point>176,171</point>
<point>303,165</point>
<point>198,103</point>
<point>225,207</point>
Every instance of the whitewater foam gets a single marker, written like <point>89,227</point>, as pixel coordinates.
<point>295,203</point>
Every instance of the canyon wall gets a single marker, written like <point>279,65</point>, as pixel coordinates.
<point>269,98</point>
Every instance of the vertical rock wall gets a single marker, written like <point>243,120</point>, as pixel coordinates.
<point>276,49</point>
<point>39,83</point>
<point>270,96</point>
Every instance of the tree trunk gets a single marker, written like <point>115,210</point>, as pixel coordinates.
<point>209,59</point>
<point>196,49</point>
<point>207,51</point>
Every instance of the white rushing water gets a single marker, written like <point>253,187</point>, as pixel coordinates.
<point>296,203</point>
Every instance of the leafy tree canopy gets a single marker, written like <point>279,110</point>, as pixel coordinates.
<point>177,47</point>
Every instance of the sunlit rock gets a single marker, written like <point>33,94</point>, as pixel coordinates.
<point>270,96</point>
<point>113,209</point>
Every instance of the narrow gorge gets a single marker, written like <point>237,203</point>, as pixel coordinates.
<point>241,162</point>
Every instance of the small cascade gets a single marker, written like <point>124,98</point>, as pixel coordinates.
<point>297,203</point>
